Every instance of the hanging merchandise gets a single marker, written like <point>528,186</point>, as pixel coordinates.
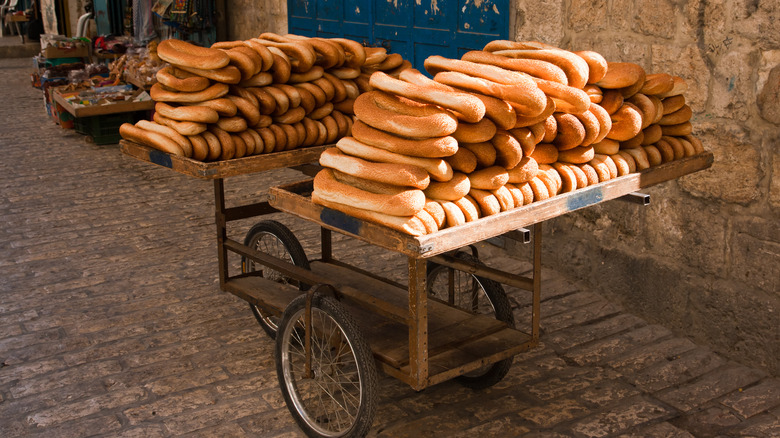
<point>143,21</point>
<point>191,20</point>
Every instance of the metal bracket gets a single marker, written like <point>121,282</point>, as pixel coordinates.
<point>522,235</point>
<point>636,198</point>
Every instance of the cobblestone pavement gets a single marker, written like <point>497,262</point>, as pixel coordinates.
<point>112,322</point>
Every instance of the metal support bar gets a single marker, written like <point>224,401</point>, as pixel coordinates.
<point>326,244</point>
<point>522,235</point>
<point>484,271</point>
<point>537,282</point>
<point>221,224</point>
<point>636,198</point>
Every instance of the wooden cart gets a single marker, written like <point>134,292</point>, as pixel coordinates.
<point>335,323</point>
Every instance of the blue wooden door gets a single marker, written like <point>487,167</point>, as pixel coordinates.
<point>415,29</point>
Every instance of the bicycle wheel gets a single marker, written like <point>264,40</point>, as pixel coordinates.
<point>274,239</point>
<point>339,398</point>
<point>477,295</point>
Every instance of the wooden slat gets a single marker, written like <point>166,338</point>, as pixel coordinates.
<point>295,199</point>
<point>477,353</point>
<point>270,296</point>
<point>378,296</point>
<point>224,168</point>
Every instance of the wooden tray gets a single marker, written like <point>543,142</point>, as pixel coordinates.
<point>225,168</point>
<point>99,110</point>
<point>296,199</point>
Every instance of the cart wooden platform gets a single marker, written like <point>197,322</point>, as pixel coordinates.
<point>420,339</point>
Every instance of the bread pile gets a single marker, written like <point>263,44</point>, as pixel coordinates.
<point>550,121</point>
<point>267,94</point>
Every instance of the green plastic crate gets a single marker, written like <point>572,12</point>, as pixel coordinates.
<point>104,129</point>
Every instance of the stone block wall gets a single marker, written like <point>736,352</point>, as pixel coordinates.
<point>704,257</point>
<point>248,18</point>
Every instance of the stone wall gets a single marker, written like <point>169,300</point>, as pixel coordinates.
<point>704,257</point>
<point>249,18</point>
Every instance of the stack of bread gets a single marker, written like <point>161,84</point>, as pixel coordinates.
<point>554,121</point>
<point>239,98</point>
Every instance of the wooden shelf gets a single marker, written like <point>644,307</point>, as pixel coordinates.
<point>224,168</point>
<point>458,341</point>
<point>296,199</point>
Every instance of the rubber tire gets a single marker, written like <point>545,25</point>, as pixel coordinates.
<point>364,361</point>
<point>499,300</point>
<point>294,252</point>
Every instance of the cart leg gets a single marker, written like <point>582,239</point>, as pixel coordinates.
<point>326,244</point>
<point>221,223</point>
<point>418,324</point>
<point>537,282</point>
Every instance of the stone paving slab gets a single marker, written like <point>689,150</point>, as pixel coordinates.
<point>112,322</point>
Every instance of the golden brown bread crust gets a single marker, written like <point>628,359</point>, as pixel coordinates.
<point>605,121</point>
<point>181,80</point>
<point>485,153</point>
<point>469,107</point>
<point>478,132</point>
<point>403,117</point>
<point>160,94</point>
<point>622,74</point>
<point>626,123</point>
<point>194,113</point>
<point>489,178</point>
<point>227,75</point>
<point>525,97</point>
<point>153,139</point>
<point>576,68</point>
<point>571,132</point>
<point>567,99</point>
<point>401,202</point>
<point>457,187</point>
<point>182,53</point>
<point>437,168</point>
<point>390,173</point>
<point>544,153</point>
<point>486,200</point>
<point>463,160</point>
<point>534,67</point>
<point>509,152</point>
<point>405,224</point>
<point>434,147</point>
<point>578,155</point>
<point>606,146</point>
<point>597,65</point>
<point>183,128</point>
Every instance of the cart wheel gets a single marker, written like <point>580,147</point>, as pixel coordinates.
<point>477,295</point>
<point>339,399</point>
<point>275,239</point>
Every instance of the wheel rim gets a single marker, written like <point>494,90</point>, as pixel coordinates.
<point>270,244</point>
<point>467,292</point>
<point>330,401</point>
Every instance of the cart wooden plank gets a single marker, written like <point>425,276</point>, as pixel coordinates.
<point>296,199</point>
<point>270,296</point>
<point>475,354</point>
<point>386,330</point>
<point>223,168</point>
